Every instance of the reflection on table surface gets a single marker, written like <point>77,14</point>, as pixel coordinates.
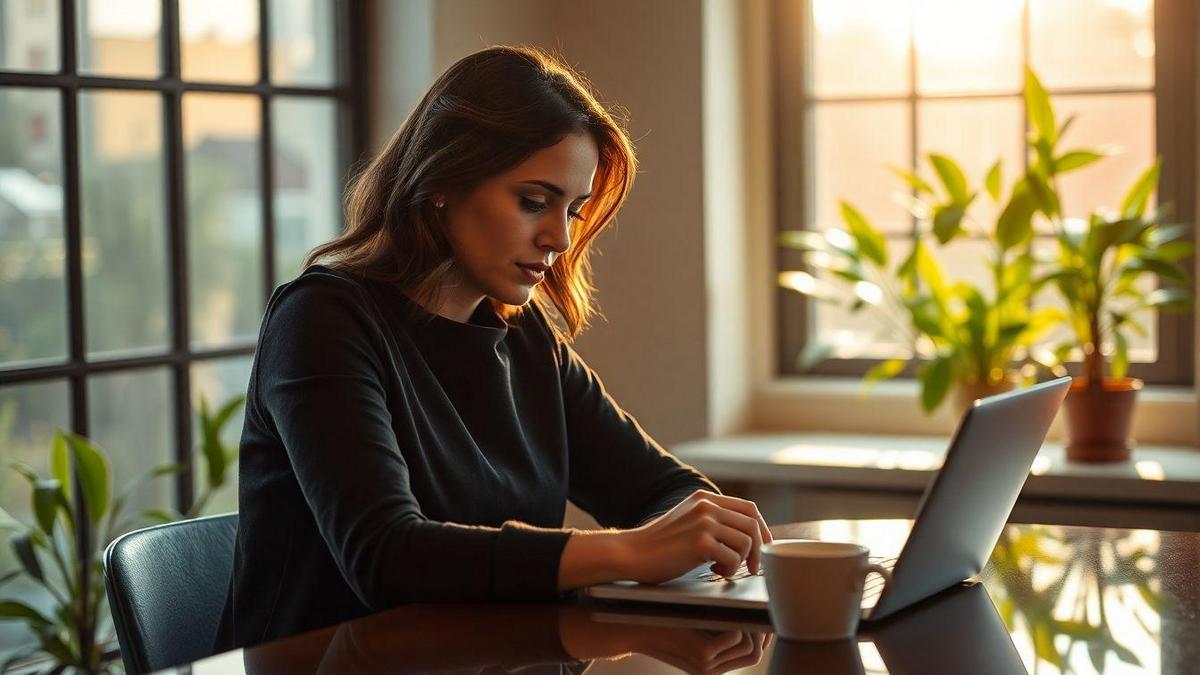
<point>1052,599</point>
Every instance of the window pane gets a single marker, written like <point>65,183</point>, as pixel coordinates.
<point>975,133</point>
<point>121,172</point>
<point>302,35</point>
<point>29,413</point>
<point>29,35</point>
<point>218,381</point>
<point>968,45</point>
<point>875,333</point>
<point>1126,120</point>
<point>860,47</point>
<point>33,289</point>
<point>132,420</point>
<point>221,165</point>
<point>307,188</point>
<point>853,144</point>
<point>220,40</point>
<point>119,37</point>
<point>1116,37</point>
<point>967,260</point>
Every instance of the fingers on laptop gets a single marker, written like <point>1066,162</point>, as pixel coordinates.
<point>729,547</point>
<point>727,531</point>
<point>741,515</point>
<point>742,506</point>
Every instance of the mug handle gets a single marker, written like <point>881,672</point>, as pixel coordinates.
<point>881,571</point>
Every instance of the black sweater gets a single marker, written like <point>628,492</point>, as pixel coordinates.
<point>390,455</point>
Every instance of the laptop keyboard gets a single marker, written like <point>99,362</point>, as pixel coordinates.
<point>873,586</point>
<point>741,573</point>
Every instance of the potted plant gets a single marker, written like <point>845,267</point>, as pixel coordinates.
<point>64,556</point>
<point>1097,268</point>
<point>970,339</point>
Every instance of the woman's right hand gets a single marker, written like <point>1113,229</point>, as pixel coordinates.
<point>704,527</point>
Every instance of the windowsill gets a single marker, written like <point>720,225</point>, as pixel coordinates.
<point>1165,416</point>
<point>1159,475</point>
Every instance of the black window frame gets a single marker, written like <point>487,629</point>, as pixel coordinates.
<point>346,91</point>
<point>1175,91</point>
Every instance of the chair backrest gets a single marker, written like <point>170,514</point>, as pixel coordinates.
<point>166,586</point>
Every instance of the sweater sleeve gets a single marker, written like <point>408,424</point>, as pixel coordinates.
<point>618,473</point>
<point>320,367</point>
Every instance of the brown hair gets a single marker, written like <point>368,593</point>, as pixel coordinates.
<point>484,115</point>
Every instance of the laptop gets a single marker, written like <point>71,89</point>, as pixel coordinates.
<point>958,521</point>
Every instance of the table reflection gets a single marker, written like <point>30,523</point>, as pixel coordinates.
<point>1051,599</point>
<point>511,638</point>
<point>1074,599</point>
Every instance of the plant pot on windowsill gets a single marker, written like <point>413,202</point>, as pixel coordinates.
<point>1099,419</point>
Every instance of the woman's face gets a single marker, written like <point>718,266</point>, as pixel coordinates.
<point>520,218</point>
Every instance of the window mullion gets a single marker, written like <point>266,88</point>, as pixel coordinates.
<point>177,235</point>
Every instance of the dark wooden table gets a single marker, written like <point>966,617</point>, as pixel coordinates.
<point>1051,599</point>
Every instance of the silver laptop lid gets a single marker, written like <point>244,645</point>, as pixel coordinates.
<point>964,508</point>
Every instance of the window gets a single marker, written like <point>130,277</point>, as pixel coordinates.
<point>862,84</point>
<point>163,166</point>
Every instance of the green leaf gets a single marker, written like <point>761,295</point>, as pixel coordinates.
<point>1135,202</point>
<point>805,240</point>
<point>53,644</point>
<point>935,383</point>
<point>13,609</point>
<point>1125,654</point>
<point>947,222</point>
<point>915,181</point>
<point>1079,630</point>
<point>1158,236</point>
<point>885,370</point>
<point>977,314</point>
<point>926,316</point>
<point>907,271</point>
<point>993,180</point>
<point>22,546</point>
<point>60,465</point>
<point>1169,299</point>
<point>47,495</point>
<point>952,177</point>
<point>1174,251</point>
<point>1015,223</point>
<point>1043,194</point>
<point>1062,129</point>
<point>870,241</point>
<point>931,273</point>
<point>1104,234</point>
<point>1009,333</point>
<point>1043,645</point>
<point>12,574</point>
<point>1120,360</point>
<point>94,476</point>
<point>1076,159</point>
<point>1037,105</point>
<point>1160,267</point>
<point>1098,654</point>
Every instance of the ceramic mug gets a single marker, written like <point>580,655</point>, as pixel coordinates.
<point>815,588</point>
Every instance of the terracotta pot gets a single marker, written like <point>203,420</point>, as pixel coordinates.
<point>1098,421</point>
<point>965,393</point>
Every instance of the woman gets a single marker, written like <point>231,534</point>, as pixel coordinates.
<point>415,424</point>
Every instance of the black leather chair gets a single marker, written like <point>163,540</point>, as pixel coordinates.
<point>166,586</point>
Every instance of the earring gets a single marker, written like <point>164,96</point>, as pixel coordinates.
<point>439,202</point>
